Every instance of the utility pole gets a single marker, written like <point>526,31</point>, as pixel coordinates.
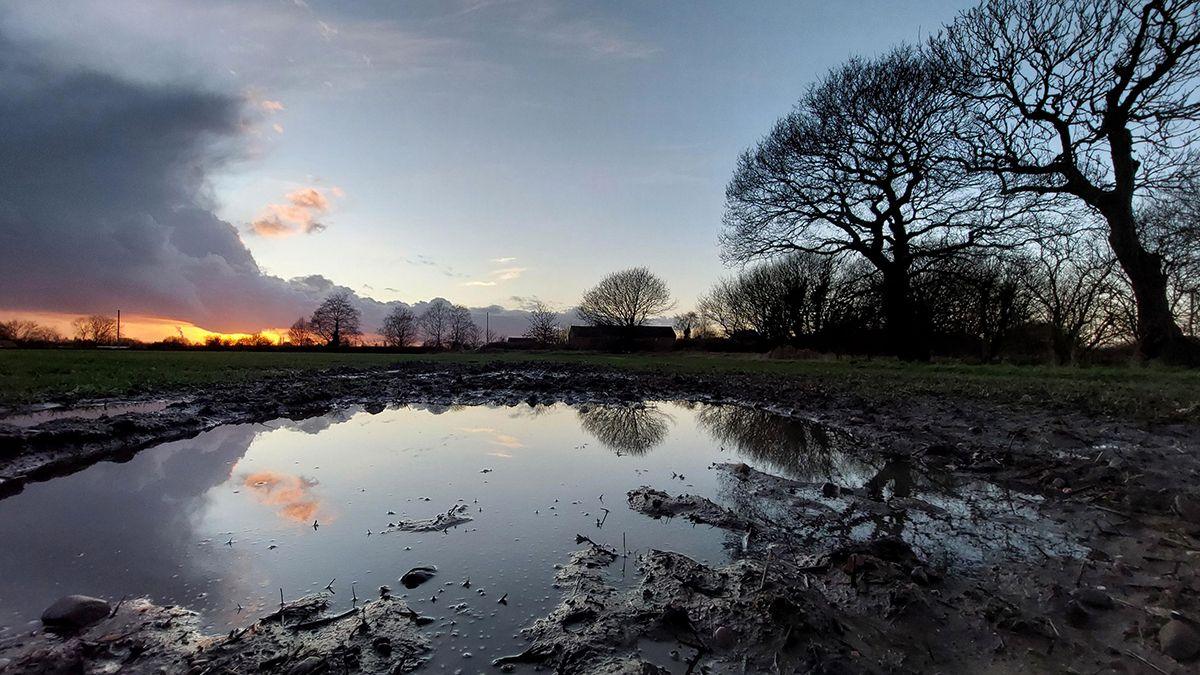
<point>487,326</point>
<point>118,326</point>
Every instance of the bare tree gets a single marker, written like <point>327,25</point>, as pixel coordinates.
<point>301,334</point>
<point>462,331</point>
<point>544,327</point>
<point>22,330</point>
<point>96,328</point>
<point>1096,100</point>
<point>1070,285</point>
<point>435,323</point>
<point>1170,225</point>
<point>399,327</point>
<point>627,298</point>
<point>336,320</point>
<point>685,323</point>
<point>862,166</point>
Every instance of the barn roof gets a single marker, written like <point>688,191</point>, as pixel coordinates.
<point>622,331</point>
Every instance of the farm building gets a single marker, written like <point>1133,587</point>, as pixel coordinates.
<point>623,338</point>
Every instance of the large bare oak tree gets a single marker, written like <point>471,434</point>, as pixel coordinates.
<point>863,165</point>
<point>1094,99</point>
<point>627,298</point>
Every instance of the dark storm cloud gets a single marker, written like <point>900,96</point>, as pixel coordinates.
<point>103,203</point>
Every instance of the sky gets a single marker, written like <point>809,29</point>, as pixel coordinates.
<point>224,165</point>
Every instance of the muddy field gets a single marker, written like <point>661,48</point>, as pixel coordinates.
<point>823,575</point>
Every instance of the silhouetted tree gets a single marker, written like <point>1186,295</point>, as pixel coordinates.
<point>301,334</point>
<point>1092,99</point>
<point>435,323</point>
<point>462,331</point>
<point>22,330</point>
<point>626,298</point>
<point>685,323</point>
<point>1071,284</point>
<point>861,166</point>
<point>544,327</point>
<point>97,328</point>
<point>336,320</point>
<point>399,327</point>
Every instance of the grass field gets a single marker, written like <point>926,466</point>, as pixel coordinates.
<point>28,376</point>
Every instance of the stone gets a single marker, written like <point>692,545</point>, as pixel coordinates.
<point>75,612</point>
<point>724,637</point>
<point>1188,507</point>
<point>313,665</point>
<point>417,576</point>
<point>829,491</point>
<point>1179,640</point>
<point>1094,598</point>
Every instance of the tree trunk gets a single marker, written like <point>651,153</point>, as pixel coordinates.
<point>1158,336</point>
<point>900,312</point>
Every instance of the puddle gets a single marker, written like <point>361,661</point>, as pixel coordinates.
<point>90,412</point>
<point>219,523</point>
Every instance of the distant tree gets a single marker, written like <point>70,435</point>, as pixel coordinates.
<point>255,340</point>
<point>336,320</point>
<point>544,327</point>
<point>685,323</point>
<point>301,333</point>
<point>22,330</point>
<point>462,332</point>
<point>1071,284</point>
<point>97,328</point>
<point>399,327</point>
<point>626,298</point>
<point>435,323</point>
<point>1093,100</point>
<point>864,165</point>
<point>216,342</point>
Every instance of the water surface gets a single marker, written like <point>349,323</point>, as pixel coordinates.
<point>221,522</point>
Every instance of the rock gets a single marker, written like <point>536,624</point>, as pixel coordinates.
<point>724,637</point>
<point>1188,507</point>
<point>1077,616</point>
<point>312,665</point>
<point>1094,598</point>
<point>1179,640</point>
<point>382,644</point>
<point>418,575</point>
<point>829,491</point>
<point>75,612</point>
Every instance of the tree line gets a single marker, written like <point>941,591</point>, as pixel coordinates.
<point>1049,144</point>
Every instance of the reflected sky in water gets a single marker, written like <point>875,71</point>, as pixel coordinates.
<point>227,518</point>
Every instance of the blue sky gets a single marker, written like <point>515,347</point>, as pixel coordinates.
<point>483,151</point>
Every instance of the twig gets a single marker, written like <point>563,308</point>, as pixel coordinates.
<point>282,618</point>
<point>118,607</point>
<point>1130,652</point>
<point>767,566</point>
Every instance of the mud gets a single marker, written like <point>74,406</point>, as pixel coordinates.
<point>910,570</point>
<point>380,636</point>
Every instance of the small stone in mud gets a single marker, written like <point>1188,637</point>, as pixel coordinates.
<point>75,611</point>
<point>309,666</point>
<point>724,637</point>
<point>829,491</point>
<point>1188,507</point>
<point>418,575</point>
<point>1094,598</point>
<point>382,644</point>
<point>1076,614</point>
<point>1179,641</point>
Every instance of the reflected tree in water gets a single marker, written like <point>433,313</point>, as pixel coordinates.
<point>627,430</point>
<point>800,449</point>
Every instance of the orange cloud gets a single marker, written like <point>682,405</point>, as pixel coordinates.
<point>298,215</point>
<point>292,494</point>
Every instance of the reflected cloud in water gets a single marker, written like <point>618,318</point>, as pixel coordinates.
<point>627,429</point>
<point>293,495</point>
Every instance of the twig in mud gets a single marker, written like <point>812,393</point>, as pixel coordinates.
<point>1054,628</point>
<point>1139,657</point>
<point>766,567</point>
<point>329,586</point>
<point>353,595</point>
<point>118,607</point>
<point>282,618</point>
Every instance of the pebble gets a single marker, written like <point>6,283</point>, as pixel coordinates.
<point>75,611</point>
<point>1179,640</point>
<point>417,576</point>
<point>1094,598</point>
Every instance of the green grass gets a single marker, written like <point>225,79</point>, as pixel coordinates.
<point>28,376</point>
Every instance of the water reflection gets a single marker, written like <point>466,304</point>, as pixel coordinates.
<point>626,429</point>
<point>797,448</point>
<point>293,495</point>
